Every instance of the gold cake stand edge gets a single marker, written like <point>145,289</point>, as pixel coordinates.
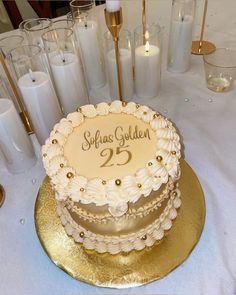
<point>123,270</point>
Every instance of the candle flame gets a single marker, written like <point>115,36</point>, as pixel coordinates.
<point>147,46</point>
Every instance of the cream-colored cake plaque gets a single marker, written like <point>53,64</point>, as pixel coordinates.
<point>119,150</point>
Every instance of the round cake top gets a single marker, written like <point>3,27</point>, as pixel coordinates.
<point>111,154</point>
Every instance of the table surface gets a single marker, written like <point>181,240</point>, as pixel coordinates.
<point>205,121</point>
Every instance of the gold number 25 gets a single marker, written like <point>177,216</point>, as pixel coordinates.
<point>108,152</point>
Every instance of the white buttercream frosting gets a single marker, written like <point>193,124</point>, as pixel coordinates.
<point>132,187</point>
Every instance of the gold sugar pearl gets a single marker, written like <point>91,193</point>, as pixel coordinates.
<point>150,164</point>
<point>175,194</point>
<point>155,116</point>
<point>137,106</point>
<point>104,182</point>
<point>44,155</point>
<point>124,103</point>
<point>82,189</point>
<point>173,153</point>
<point>81,234</point>
<point>145,113</point>
<point>144,237</point>
<point>78,109</point>
<point>159,158</point>
<point>54,141</point>
<point>118,182</point>
<point>69,175</point>
<point>61,165</point>
<point>139,185</point>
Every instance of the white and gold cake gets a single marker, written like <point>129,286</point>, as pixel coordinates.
<point>114,168</point>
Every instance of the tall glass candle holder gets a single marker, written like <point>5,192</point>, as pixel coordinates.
<point>63,23</point>
<point>180,38</point>
<point>147,57</point>
<point>87,33</point>
<point>36,89</point>
<point>66,68</point>
<point>15,146</point>
<point>126,65</point>
<point>35,28</point>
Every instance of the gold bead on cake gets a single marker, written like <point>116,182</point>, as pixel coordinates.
<point>118,182</point>
<point>124,103</point>
<point>69,175</point>
<point>61,165</point>
<point>104,182</point>
<point>159,158</point>
<point>144,238</point>
<point>54,141</point>
<point>173,152</point>
<point>139,185</point>
<point>137,106</point>
<point>145,113</point>
<point>175,194</point>
<point>44,155</point>
<point>155,116</point>
<point>81,234</point>
<point>82,189</point>
<point>150,164</point>
<point>78,109</point>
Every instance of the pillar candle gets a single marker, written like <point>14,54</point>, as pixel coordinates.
<point>41,102</point>
<point>69,80</point>
<point>147,71</point>
<point>127,73</point>
<point>91,55</point>
<point>180,42</point>
<point>15,145</point>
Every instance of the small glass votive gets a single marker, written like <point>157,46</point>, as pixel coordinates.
<point>147,58</point>
<point>220,69</point>
<point>36,88</point>
<point>66,68</point>
<point>15,145</point>
<point>125,51</point>
<point>87,33</point>
<point>34,28</point>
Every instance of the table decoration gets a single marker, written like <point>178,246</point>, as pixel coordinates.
<point>125,56</point>
<point>86,29</point>
<point>147,61</point>
<point>15,96</point>
<point>2,195</point>
<point>66,68</point>
<point>114,21</point>
<point>15,145</point>
<point>180,38</point>
<point>220,69</point>
<point>36,89</point>
<point>203,47</point>
<point>125,269</point>
<point>34,28</point>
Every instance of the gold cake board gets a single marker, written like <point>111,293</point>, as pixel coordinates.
<point>125,269</point>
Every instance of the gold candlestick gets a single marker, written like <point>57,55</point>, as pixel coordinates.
<point>23,114</point>
<point>203,47</point>
<point>144,20</point>
<point>114,22</point>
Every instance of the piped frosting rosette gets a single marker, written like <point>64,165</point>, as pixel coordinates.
<point>116,193</point>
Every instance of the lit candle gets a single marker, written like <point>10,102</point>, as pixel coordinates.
<point>15,145</point>
<point>180,42</point>
<point>41,102</point>
<point>147,70</point>
<point>112,5</point>
<point>69,80</point>
<point>87,35</point>
<point>127,73</point>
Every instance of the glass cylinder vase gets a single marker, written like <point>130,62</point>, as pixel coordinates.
<point>180,37</point>
<point>66,68</point>
<point>147,56</point>
<point>36,89</point>
<point>87,33</point>
<point>125,52</point>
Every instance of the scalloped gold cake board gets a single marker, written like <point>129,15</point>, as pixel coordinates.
<point>125,269</point>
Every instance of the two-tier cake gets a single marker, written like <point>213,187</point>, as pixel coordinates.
<point>114,168</point>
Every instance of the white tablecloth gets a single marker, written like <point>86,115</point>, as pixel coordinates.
<point>207,123</point>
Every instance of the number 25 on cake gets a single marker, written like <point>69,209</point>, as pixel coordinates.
<point>114,169</point>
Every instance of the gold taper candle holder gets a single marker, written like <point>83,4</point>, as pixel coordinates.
<point>23,114</point>
<point>114,22</point>
<point>203,47</point>
<point>144,20</point>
